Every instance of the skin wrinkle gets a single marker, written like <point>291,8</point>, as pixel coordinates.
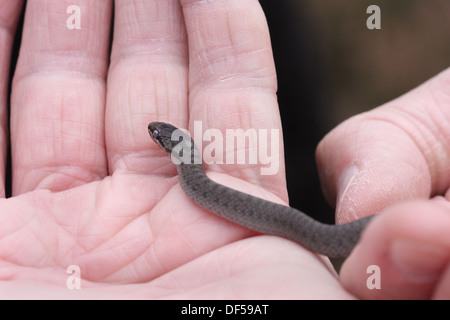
<point>209,76</point>
<point>68,122</point>
<point>156,52</point>
<point>74,64</point>
<point>154,234</point>
<point>75,178</point>
<point>165,86</point>
<point>177,231</point>
<point>99,203</point>
<point>112,243</point>
<point>73,74</point>
<point>434,123</point>
<point>133,38</point>
<point>438,152</point>
<point>212,49</point>
<point>230,33</point>
<point>131,258</point>
<point>37,238</point>
<point>420,141</point>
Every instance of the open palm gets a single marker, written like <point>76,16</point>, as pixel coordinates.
<point>90,188</point>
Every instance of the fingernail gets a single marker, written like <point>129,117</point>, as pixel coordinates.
<point>418,262</point>
<point>345,182</point>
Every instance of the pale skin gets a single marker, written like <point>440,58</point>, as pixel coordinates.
<point>91,189</point>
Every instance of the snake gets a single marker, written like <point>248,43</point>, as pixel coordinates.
<point>254,213</point>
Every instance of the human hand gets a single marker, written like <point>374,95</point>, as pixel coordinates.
<point>89,186</point>
<point>395,159</point>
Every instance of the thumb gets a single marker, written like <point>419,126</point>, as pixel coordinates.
<point>403,254</point>
<point>396,152</point>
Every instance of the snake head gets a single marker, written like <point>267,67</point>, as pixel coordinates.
<point>161,133</point>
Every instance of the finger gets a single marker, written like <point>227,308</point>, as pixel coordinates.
<point>57,106</point>
<point>232,84</point>
<point>403,254</point>
<point>9,16</point>
<point>147,81</point>
<point>396,152</point>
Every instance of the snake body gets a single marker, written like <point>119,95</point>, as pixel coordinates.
<point>334,241</point>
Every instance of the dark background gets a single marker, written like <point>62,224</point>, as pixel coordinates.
<point>330,67</point>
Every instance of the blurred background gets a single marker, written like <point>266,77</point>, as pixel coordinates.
<point>330,66</point>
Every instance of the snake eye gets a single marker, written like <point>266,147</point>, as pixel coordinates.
<point>158,138</point>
